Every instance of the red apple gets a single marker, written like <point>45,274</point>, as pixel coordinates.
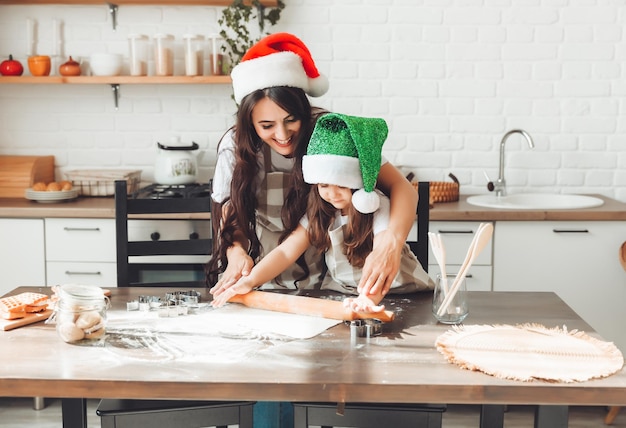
<point>11,67</point>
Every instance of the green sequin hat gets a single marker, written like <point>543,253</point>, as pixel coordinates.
<point>347,151</point>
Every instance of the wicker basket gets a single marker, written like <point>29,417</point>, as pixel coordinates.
<point>443,191</point>
<point>102,182</point>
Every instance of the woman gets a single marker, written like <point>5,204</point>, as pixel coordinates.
<point>344,215</point>
<point>258,180</point>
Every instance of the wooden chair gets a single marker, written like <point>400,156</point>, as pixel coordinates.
<point>380,415</point>
<point>420,246</point>
<point>164,413</point>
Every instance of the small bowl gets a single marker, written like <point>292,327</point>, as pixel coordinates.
<point>39,65</point>
<point>105,64</point>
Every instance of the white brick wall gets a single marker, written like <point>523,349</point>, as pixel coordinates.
<point>450,77</point>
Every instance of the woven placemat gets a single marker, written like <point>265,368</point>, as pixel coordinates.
<point>530,352</point>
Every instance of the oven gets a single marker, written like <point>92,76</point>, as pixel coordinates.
<point>169,268</point>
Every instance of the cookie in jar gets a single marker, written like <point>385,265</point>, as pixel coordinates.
<point>80,314</point>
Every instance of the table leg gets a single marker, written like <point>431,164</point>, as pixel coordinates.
<point>551,416</point>
<point>74,411</point>
<point>491,416</point>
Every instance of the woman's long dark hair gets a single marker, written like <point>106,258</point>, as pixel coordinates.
<point>240,216</point>
<point>358,232</point>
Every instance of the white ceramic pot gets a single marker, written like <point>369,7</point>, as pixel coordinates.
<point>176,164</point>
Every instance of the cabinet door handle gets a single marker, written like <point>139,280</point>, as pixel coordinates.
<point>570,230</point>
<point>68,272</point>
<point>456,231</point>
<point>74,229</point>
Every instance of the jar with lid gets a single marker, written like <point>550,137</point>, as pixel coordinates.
<point>164,55</point>
<point>80,314</point>
<point>216,60</point>
<point>194,54</point>
<point>138,54</point>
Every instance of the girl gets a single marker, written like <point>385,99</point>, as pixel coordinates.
<point>345,215</point>
<point>258,184</point>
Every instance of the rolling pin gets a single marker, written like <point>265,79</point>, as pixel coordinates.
<point>303,305</point>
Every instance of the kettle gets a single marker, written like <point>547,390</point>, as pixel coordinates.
<point>176,163</point>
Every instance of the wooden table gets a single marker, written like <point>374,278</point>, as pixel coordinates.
<point>400,366</point>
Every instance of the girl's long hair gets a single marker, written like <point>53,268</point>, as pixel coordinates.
<point>358,233</point>
<point>240,215</point>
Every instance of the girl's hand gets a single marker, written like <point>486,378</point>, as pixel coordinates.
<point>381,265</point>
<point>221,297</point>
<point>239,265</point>
<point>362,304</point>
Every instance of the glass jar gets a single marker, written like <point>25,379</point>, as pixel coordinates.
<point>454,300</point>
<point>80,314</point>
<point>138,58</point>
<point>164,55</point>
<point>194,54</point>
<point>216,60</point>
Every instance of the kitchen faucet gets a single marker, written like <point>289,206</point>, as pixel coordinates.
<point>500,185</point>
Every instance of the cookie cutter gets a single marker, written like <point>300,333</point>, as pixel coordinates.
<point>365,328</point>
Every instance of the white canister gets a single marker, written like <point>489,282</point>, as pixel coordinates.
<point>138,54</point>
<point>176,163</point>
<point>194,54</point>
<point>164,55</point>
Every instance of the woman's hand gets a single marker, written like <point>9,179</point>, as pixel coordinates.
<point>221,297</point>
<point>362,304</point>
<point>239,265</point>
<point>381,265</point>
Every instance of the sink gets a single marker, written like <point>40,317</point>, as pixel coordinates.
<point>535,201</point>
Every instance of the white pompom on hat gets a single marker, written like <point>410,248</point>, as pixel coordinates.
<point>346,151</point>
<point>279,59</point>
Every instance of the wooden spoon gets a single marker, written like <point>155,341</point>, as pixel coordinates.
<point>436,244</point>
<point>622,255</point>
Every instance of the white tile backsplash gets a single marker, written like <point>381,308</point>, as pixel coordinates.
<point>450,77</point>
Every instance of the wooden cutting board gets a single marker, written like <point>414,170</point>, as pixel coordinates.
<point>28,319</point>
<point>18,173</point>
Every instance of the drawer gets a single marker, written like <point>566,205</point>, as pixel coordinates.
<point>477,279</point>
<point>100,274</point>
<point>456,237</point>
<point>80,240</point>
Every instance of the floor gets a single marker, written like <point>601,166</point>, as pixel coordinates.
<point>19,413</point>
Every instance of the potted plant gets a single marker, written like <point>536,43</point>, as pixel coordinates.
<point>235,25</point>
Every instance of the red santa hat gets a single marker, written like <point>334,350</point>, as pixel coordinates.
<point>279,59</point>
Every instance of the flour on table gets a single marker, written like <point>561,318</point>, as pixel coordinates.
<point>223,335</point>
<point>232,320</point>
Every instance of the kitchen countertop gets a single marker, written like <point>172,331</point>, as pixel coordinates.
<point>103,207</point>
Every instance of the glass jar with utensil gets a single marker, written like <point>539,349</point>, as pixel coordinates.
<point>450,299</point>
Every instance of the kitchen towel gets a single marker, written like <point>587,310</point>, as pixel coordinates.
<point>530,352</point>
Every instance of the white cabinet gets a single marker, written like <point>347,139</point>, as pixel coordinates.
<point>81,251</point>
<point>577,260</point>
<point>22,257</point>
<point>456,236</point>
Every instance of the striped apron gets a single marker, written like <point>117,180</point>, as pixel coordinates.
<point>270,199</point>
<point>344,277</point>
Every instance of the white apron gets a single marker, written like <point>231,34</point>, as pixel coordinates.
<point>344,277</point>
<point>270,199</point>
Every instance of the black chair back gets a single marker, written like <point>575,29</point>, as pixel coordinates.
<point>420,247</point>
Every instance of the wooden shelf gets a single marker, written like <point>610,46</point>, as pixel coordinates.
<point>116,80</point>
<point>270,3</point>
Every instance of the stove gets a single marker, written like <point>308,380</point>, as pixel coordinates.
<point>174,191</point>
<point>170,268</point>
